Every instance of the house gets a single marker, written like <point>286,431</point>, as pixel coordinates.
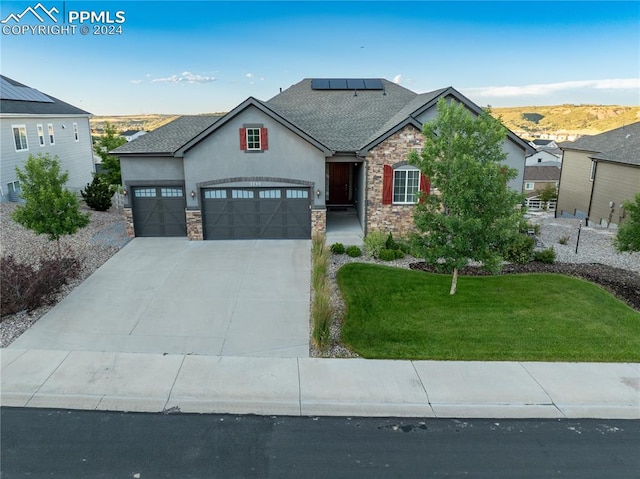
<point>537,178</point>
<point>540,143</point>
<point>130,135</point>
<point>33,122</point>
<point>545,157</point>
<point>273,169</point>
<point>598,173</point>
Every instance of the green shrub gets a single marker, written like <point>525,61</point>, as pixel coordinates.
<point>387,255</point>
<point>399,253</point>
<point>545,256</point>
<point>390,243</point>
<point>337,248</point>
<point>520,250</point>
<point>97,194</point>
<point>374,242</point>
<point>354,251</point>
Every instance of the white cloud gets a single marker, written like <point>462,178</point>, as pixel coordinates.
<point>185,77</point>
<point>249,75</point>
<point>539,89</point>
<point>397,79</point>
<point>136,82</point>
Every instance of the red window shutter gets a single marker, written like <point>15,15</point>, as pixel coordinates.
<point>264,139</point>
<point>425,185</point>
<point>243,139</point>
<point>387,185</point>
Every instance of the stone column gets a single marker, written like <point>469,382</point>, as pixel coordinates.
<point>194,224</point>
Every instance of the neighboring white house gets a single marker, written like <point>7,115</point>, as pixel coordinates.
<point>131,135</point>
<point>544,158</point>
<point>33,122</point>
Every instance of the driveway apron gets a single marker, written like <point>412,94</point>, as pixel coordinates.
<point>175,296</point>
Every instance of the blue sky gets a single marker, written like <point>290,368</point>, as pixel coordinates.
<point>208,56</point>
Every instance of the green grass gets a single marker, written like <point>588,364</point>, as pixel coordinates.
<point>401,314</point>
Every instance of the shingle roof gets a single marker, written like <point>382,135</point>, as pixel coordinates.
<point>130,132</point>
<point>31,107</point>
<point>541,173</point>
<point>343,120</point>
<point>621,145</point>
<point>170,137</point>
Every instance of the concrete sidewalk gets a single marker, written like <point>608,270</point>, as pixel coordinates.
<point>318,387</point>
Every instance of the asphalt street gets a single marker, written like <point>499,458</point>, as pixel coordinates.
<point>90,444</point>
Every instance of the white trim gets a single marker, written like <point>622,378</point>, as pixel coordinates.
<point>21,129</point>
<point>51,134</point>
<point>405,169</point>
<point>41,140</point>
<point>259,139</point>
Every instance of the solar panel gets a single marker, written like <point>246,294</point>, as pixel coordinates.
<point>21,93</point>
<point>373,84</point>
<point>346,84</point>
<point>355,84</point>
<point>320,84</point>
<point>338,84</point>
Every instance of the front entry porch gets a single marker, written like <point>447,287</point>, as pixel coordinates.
<point>343,226</point>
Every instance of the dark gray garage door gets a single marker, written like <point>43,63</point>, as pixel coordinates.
<point>159,211</point>
<point>264,213</point>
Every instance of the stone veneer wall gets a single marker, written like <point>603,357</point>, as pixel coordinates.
<point>128,219</point>
<point>318,222</point>
<point>397,219</point>
<point>194,225</point>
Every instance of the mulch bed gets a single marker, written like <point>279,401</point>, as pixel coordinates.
<point>622,283</point>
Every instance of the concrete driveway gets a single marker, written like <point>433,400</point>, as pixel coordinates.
<point>171,295</point>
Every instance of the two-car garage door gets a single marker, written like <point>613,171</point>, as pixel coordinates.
<point>265,213</point>
<point>227,212</point>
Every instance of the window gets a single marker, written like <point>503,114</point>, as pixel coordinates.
<point>215,194</point>
<point>40,135</point>
<point>76,135</point>
<point>144,193</point>
<point>52,139</point>
<point>592,173</point>
<point>13,187</point>
<point>171,192</point>
<point>297,194</point>
<point>406,183</point>
<point>529,186</point>
<point>253,138</point>
<point>272,194</point>
<point>20,137</point>
<point>245,194</point>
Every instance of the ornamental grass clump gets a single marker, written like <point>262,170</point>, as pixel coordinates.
<point>321,309</point>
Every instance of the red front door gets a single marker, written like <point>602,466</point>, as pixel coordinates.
<point>339,183</point>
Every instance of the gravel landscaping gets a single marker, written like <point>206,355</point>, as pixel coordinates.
<point>93,245</point>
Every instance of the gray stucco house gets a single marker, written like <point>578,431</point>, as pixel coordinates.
<point>272,169</point>
<point>33,122</point>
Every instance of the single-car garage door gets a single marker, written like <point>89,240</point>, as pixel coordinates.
<point>159,211</point>
<point>262,213</point>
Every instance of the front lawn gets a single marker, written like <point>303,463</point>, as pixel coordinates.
<point>401,314</point>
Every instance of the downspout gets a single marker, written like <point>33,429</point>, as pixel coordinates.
<point>593,182</point>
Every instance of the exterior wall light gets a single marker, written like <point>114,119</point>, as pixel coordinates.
<point>193,194</point>
<point>318,193</point>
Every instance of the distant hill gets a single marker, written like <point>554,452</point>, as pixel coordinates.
<point>131,122</point>
<point>533,121</point>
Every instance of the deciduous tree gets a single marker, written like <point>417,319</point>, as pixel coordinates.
<point>473,214</point>
<point>111,164</point>
<point>628,237</point>
<point>49,207</point>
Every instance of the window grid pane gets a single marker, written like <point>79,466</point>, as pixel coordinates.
<point>52,139</point>
<point>274,194</point>
<point>144,192</point>
<point>76,135</point>
<point>41,135</point>
<point>215,194</point>
<point>297,194</point>
<point>406,184</point>
<point>20,138</point>
<point>171,192</point>
<point>253,138</point>
<point>246,194</point>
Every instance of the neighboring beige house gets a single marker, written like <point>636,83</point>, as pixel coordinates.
<point>598,173</point>
<point>537,178</point>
